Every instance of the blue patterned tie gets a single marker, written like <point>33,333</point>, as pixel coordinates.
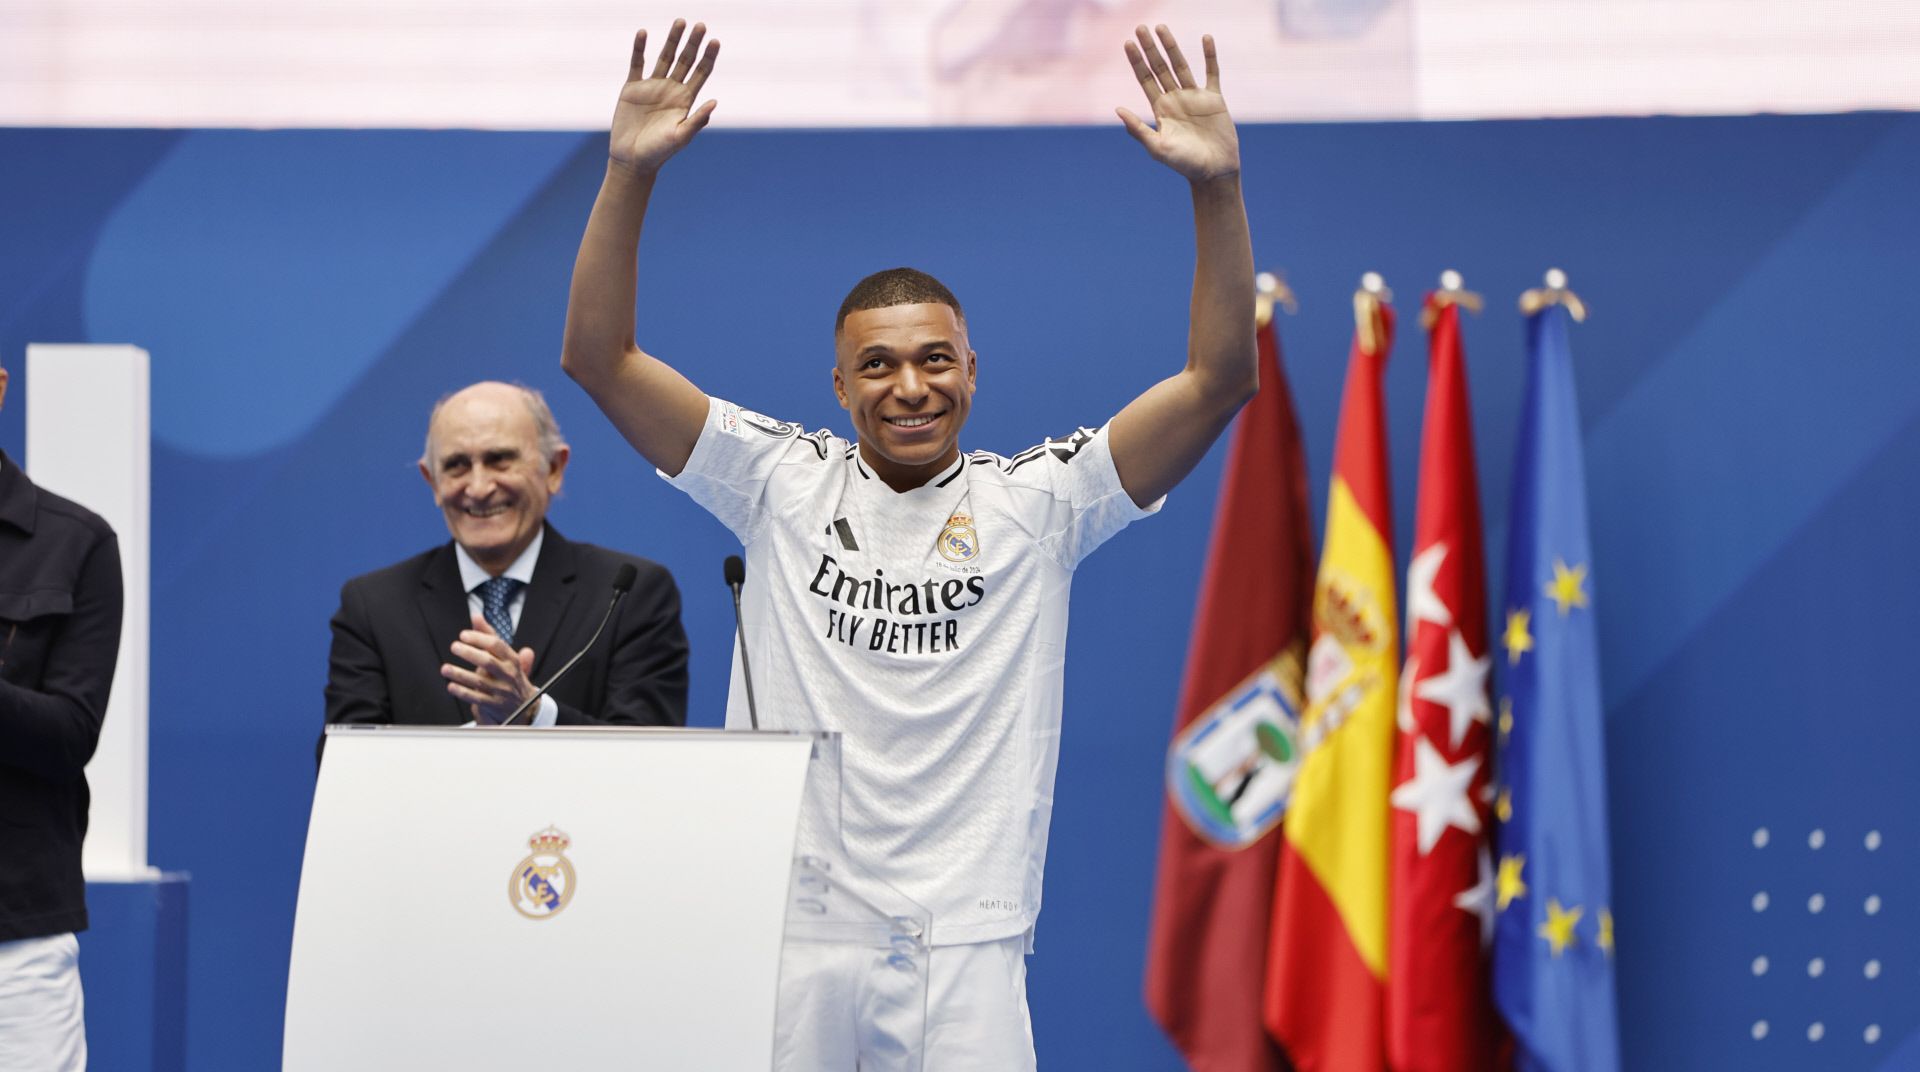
<point>495,594</point>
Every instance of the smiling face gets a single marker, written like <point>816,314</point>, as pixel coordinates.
<point>906,375</point>
<point>488,474</point>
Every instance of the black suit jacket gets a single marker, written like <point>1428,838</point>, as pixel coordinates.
<point>395,625</point>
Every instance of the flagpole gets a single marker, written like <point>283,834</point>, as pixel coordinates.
<point>1554,293</point>
<point>1367,300</point>
<point>1270,289</point>
<point>1453,291</point>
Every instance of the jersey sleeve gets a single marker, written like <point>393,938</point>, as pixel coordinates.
<point>1081,472</point>
<point>734,461</point>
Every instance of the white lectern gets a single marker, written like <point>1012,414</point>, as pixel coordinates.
<point>581,898</point>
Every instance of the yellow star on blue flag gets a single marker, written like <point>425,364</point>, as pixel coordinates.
<point>1555,990</point>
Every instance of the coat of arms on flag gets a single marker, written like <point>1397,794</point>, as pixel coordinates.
<point>1231,769</point>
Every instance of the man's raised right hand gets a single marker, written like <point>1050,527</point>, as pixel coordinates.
<point>655,117</point>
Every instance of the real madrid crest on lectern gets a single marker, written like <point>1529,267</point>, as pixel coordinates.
<point>542,884</point>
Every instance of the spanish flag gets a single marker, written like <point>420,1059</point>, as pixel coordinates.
<point>1325,1000</point>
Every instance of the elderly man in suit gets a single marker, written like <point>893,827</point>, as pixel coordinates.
<point>462,632</point>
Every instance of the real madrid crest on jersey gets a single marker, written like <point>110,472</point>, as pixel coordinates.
<point>542,884</point>
<point>768,426</point>
<point>1230,771</point>
<point>959,541</point>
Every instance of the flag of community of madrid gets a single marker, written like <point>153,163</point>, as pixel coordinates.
<point>1441,894</point>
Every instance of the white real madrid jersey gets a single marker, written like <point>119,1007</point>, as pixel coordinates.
<point>928,627</point>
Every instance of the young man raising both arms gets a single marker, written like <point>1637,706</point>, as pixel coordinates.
<point>903,593</point>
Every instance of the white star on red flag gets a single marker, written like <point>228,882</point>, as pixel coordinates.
<point>1423,604</point>
<point>1437,794</point>
<point>1478,898</point>
<point>1462,690</point>
<point>1403,706</point>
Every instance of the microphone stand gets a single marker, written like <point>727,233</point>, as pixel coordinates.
<point>622,581</point>
<point>736,573</point>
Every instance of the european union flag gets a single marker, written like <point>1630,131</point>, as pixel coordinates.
<point>1553,934</point>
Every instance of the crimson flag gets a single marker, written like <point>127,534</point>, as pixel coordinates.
<point>1235,749</point>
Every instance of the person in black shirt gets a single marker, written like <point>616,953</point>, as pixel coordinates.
<point>60,601</point>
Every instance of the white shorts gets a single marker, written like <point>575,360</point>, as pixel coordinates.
<point>844,1009</point>
<point>41,1027</point>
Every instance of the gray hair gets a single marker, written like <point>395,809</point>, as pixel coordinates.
<point>545,428</point>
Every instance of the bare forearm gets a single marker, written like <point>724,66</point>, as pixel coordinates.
<point>1220,338</point>
<point>600,305</point>
<point>658,410</point>
<point>1160,436</point>
<point>655,408</point>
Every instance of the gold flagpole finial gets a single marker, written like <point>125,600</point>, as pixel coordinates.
<point>1270,289</point>
<point>1554,293</point>
<point>1367,300</point>
<point>1453,291</point>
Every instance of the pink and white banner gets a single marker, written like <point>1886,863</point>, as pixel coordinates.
<point>857,63</point>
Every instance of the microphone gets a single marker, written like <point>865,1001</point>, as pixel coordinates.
<point>622,584</point>
<point>736,573</point>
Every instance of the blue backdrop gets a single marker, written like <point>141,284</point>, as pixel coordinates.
<point>1750,393</point>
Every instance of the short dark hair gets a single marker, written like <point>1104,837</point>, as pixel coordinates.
<point>897,286</point>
